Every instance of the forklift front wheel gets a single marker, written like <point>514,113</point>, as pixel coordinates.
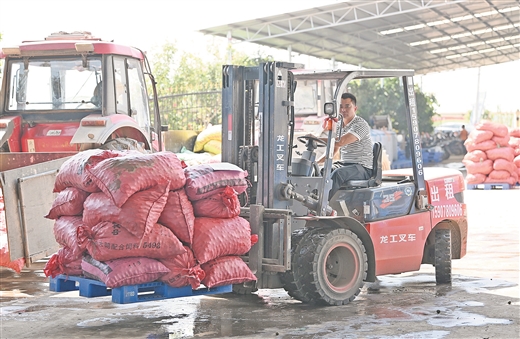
<point>332,268</point>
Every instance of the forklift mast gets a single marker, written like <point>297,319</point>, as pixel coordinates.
<point>258,126</point>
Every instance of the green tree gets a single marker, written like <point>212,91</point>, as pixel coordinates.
<point>179,74</point>
<point>385,97</point>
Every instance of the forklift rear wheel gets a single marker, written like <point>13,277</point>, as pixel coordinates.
<point>332,267</point>
<point>443,256</point>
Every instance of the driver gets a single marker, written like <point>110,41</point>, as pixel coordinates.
<point>355,146</point>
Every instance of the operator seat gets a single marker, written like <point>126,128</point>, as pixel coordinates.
<point>377,171</point>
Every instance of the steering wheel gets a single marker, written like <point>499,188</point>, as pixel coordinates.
<point>307,138</point>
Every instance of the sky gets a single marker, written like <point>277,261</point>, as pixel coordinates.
<point>150,24</point>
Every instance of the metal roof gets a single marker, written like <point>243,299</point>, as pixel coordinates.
<point>424,35</point>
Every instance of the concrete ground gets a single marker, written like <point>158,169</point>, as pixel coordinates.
<point>482,302</point>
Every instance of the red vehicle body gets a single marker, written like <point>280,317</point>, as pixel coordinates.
<point>71,92</point>
<point>61,95</point>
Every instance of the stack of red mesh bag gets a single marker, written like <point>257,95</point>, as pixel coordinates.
<point>123,218</point>
<point>492,149</point>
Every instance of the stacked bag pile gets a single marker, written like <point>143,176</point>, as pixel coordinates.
<point>493,154</point>
<point>124,218</point>
<point>209,140</point>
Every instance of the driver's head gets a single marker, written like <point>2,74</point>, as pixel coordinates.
<point>348,107</point>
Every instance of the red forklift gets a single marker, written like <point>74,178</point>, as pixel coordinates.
<point>322,251</point>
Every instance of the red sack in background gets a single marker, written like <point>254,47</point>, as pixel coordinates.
<point>483,146</point>
<point>475,156</point>
<point>501,141</point>
<point>477,178</point>
<point>119,178</point>
<point>502,175</point>
<point>514,142</point>
<point>226,271</point>
<point>107,241</point>
<point>221,205</point>
<point>214,237</point>
<point>501,153</point>
<point>69,202</point>
<point>121,272</point>
<point>484,167</point>
<point>138,214</point>
<point>63,262</point>
<point>73,172</point>
<point>208,179</point>
<point>514,132</point>
<point>478,136</point>
<point>509,180</point>
<point>178,216</point>
<point>516,161</point>
<point>65,232</point>
<point>499,130</point>
<point>504,165</point>
<point>184,270</point>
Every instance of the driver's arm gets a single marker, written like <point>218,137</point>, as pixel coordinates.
<point>345,139</point>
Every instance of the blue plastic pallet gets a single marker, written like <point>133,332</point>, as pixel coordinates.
<point>91,288</point>
<point>489,186</point>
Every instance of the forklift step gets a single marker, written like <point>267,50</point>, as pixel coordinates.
<point>91,288</point>
<point>489,186</point>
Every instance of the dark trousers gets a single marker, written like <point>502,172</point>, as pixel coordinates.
<point>348,172</point>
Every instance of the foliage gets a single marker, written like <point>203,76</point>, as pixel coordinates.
<point>181,74</point>
<point>378,97</point>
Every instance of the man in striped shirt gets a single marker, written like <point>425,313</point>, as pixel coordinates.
<point>355,146</point>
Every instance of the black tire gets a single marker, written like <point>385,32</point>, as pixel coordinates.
<point>331,267</point>
<point>443,256</point>
<point>288,277</point>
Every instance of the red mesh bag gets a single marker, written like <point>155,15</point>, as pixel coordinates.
<point>208,179</point>
<point>477,178</point>
<point>184,270</point>
<point>214,237</point>
<point>514,142</point>
<point>483,146</point>
<point>514,132</point>
<point>65,232</point>
<point>509,180</point>
<point>69,202</point>
<point>121,272</point>
<point>73,172</point>
<point>178,216</point>
<point>506,153</point>
<point>499,130</point>
<point>5,260</point>
<point>504,165</point>
<point>475,156</point>
<point>107,241</point>
<point>119,178</point>
<point>138,214</point>
<point>501,141</point>
<point>502,175</point>
<point>516,161</point>
<point>478,136</point>
<point>221,205</point>
<point>483,167</point>
<point>63,262</point>
<point>226,271</point>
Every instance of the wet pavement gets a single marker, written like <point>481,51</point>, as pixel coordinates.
<point>482,302</point>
